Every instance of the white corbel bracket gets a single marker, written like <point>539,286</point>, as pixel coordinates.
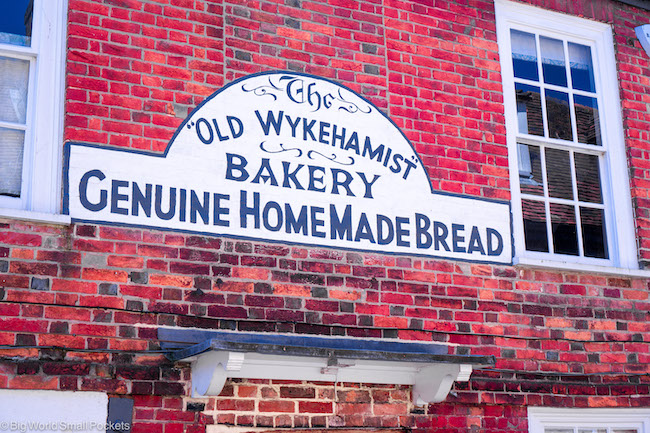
<point>211,369</point>
<point>431,381</point>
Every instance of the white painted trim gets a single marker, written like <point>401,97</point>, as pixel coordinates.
<point>431,381</point>
<point>539,418</point>
<point>43,152</point>
<point>39,217</point>
<point>579,267</point>
<point>48,131</point>
<point>616,191</point>
<point>50,411</point>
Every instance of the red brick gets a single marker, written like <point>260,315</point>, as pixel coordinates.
<point>314,407</point>
<point>276,406</point>
<point>88,329</point>
<point>23,239</point>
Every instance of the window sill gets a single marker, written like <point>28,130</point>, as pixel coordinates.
<point>579,267</point>
<point>38,217</point>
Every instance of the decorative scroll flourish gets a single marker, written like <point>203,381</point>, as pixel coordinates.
<point>301,90</point>
<point>263,90</point>
<point>351,107</point>
<point>282,149</point>
<point>332,158</point>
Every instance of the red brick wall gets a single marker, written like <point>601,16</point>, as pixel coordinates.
<point>100,289</point>
<point>80,304</point>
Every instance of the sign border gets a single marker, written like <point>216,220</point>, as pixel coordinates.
<point>66,182</point>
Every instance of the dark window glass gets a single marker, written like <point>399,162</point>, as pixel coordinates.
<point>12,143</point>
<point>14,77</point>
<point>582,69</point>
<point>588,178</point>
<point>563,223</point>
<point>529,109</point>
<point>587,121</point>
<point>530,170</point>
<point>559,117</point>
<point>524,55</point>
<point>16,22</point>
<point>593,232</point>
<point>553,63</point>
<point>534,215</point>
<point>558,174</point>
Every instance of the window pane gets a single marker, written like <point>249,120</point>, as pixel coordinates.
<point>582,69</point>
<point>524,55</point>
<point>535,225</point>
<point>559,118</point>
<point>16,22</point>
<point>558,174</point>
<point>529,109</point>
<point>11,161</point>
<point>553,65</point>
<point>530,170</point>
<point>563,223</point>
<point>558,430</point>
<point>627,430</point>
<point>593,232</point>
<point>14,74</point>
<point>587,119</point>
<point>588,177</point>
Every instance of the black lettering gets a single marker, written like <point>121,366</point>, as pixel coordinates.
<point>158,203</point>
<point>83,191</point>
<point>270,121</point>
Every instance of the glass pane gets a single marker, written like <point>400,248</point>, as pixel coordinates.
<point>11,161</point>
<point>524,55</point>
<point>534,214</point>
<point>563,223</point>
<point>558,174</point>
<point>14,74</point>
<point>588,178</point>
<point>587,430</point>
<point>553,64</point>
<point>582,69</point>
<point>627,430</point>
<point>558,430</point>
<point>529,109</point>
<point>16,22</point>
<point>530,170</point>
<point>559,118</point>
<point>587,119</point>
<point>593,232</point>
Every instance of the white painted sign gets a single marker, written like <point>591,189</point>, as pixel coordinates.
<point>293,158</point>
<point>27,410</point>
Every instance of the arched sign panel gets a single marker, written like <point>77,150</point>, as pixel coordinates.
<point>287,157</point>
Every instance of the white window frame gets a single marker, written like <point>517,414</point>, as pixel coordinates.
<point>621,239</point>
<point>40,197</point>
<point>540,418</point>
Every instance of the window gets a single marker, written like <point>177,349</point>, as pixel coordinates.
<point>570,192</point>
<point>553,420</point>
<point>32,51</point>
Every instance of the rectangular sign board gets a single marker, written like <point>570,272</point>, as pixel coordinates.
<point>291,158</point>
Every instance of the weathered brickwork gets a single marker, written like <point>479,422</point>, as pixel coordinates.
<point>80,304</point>
<point>102,289</point>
